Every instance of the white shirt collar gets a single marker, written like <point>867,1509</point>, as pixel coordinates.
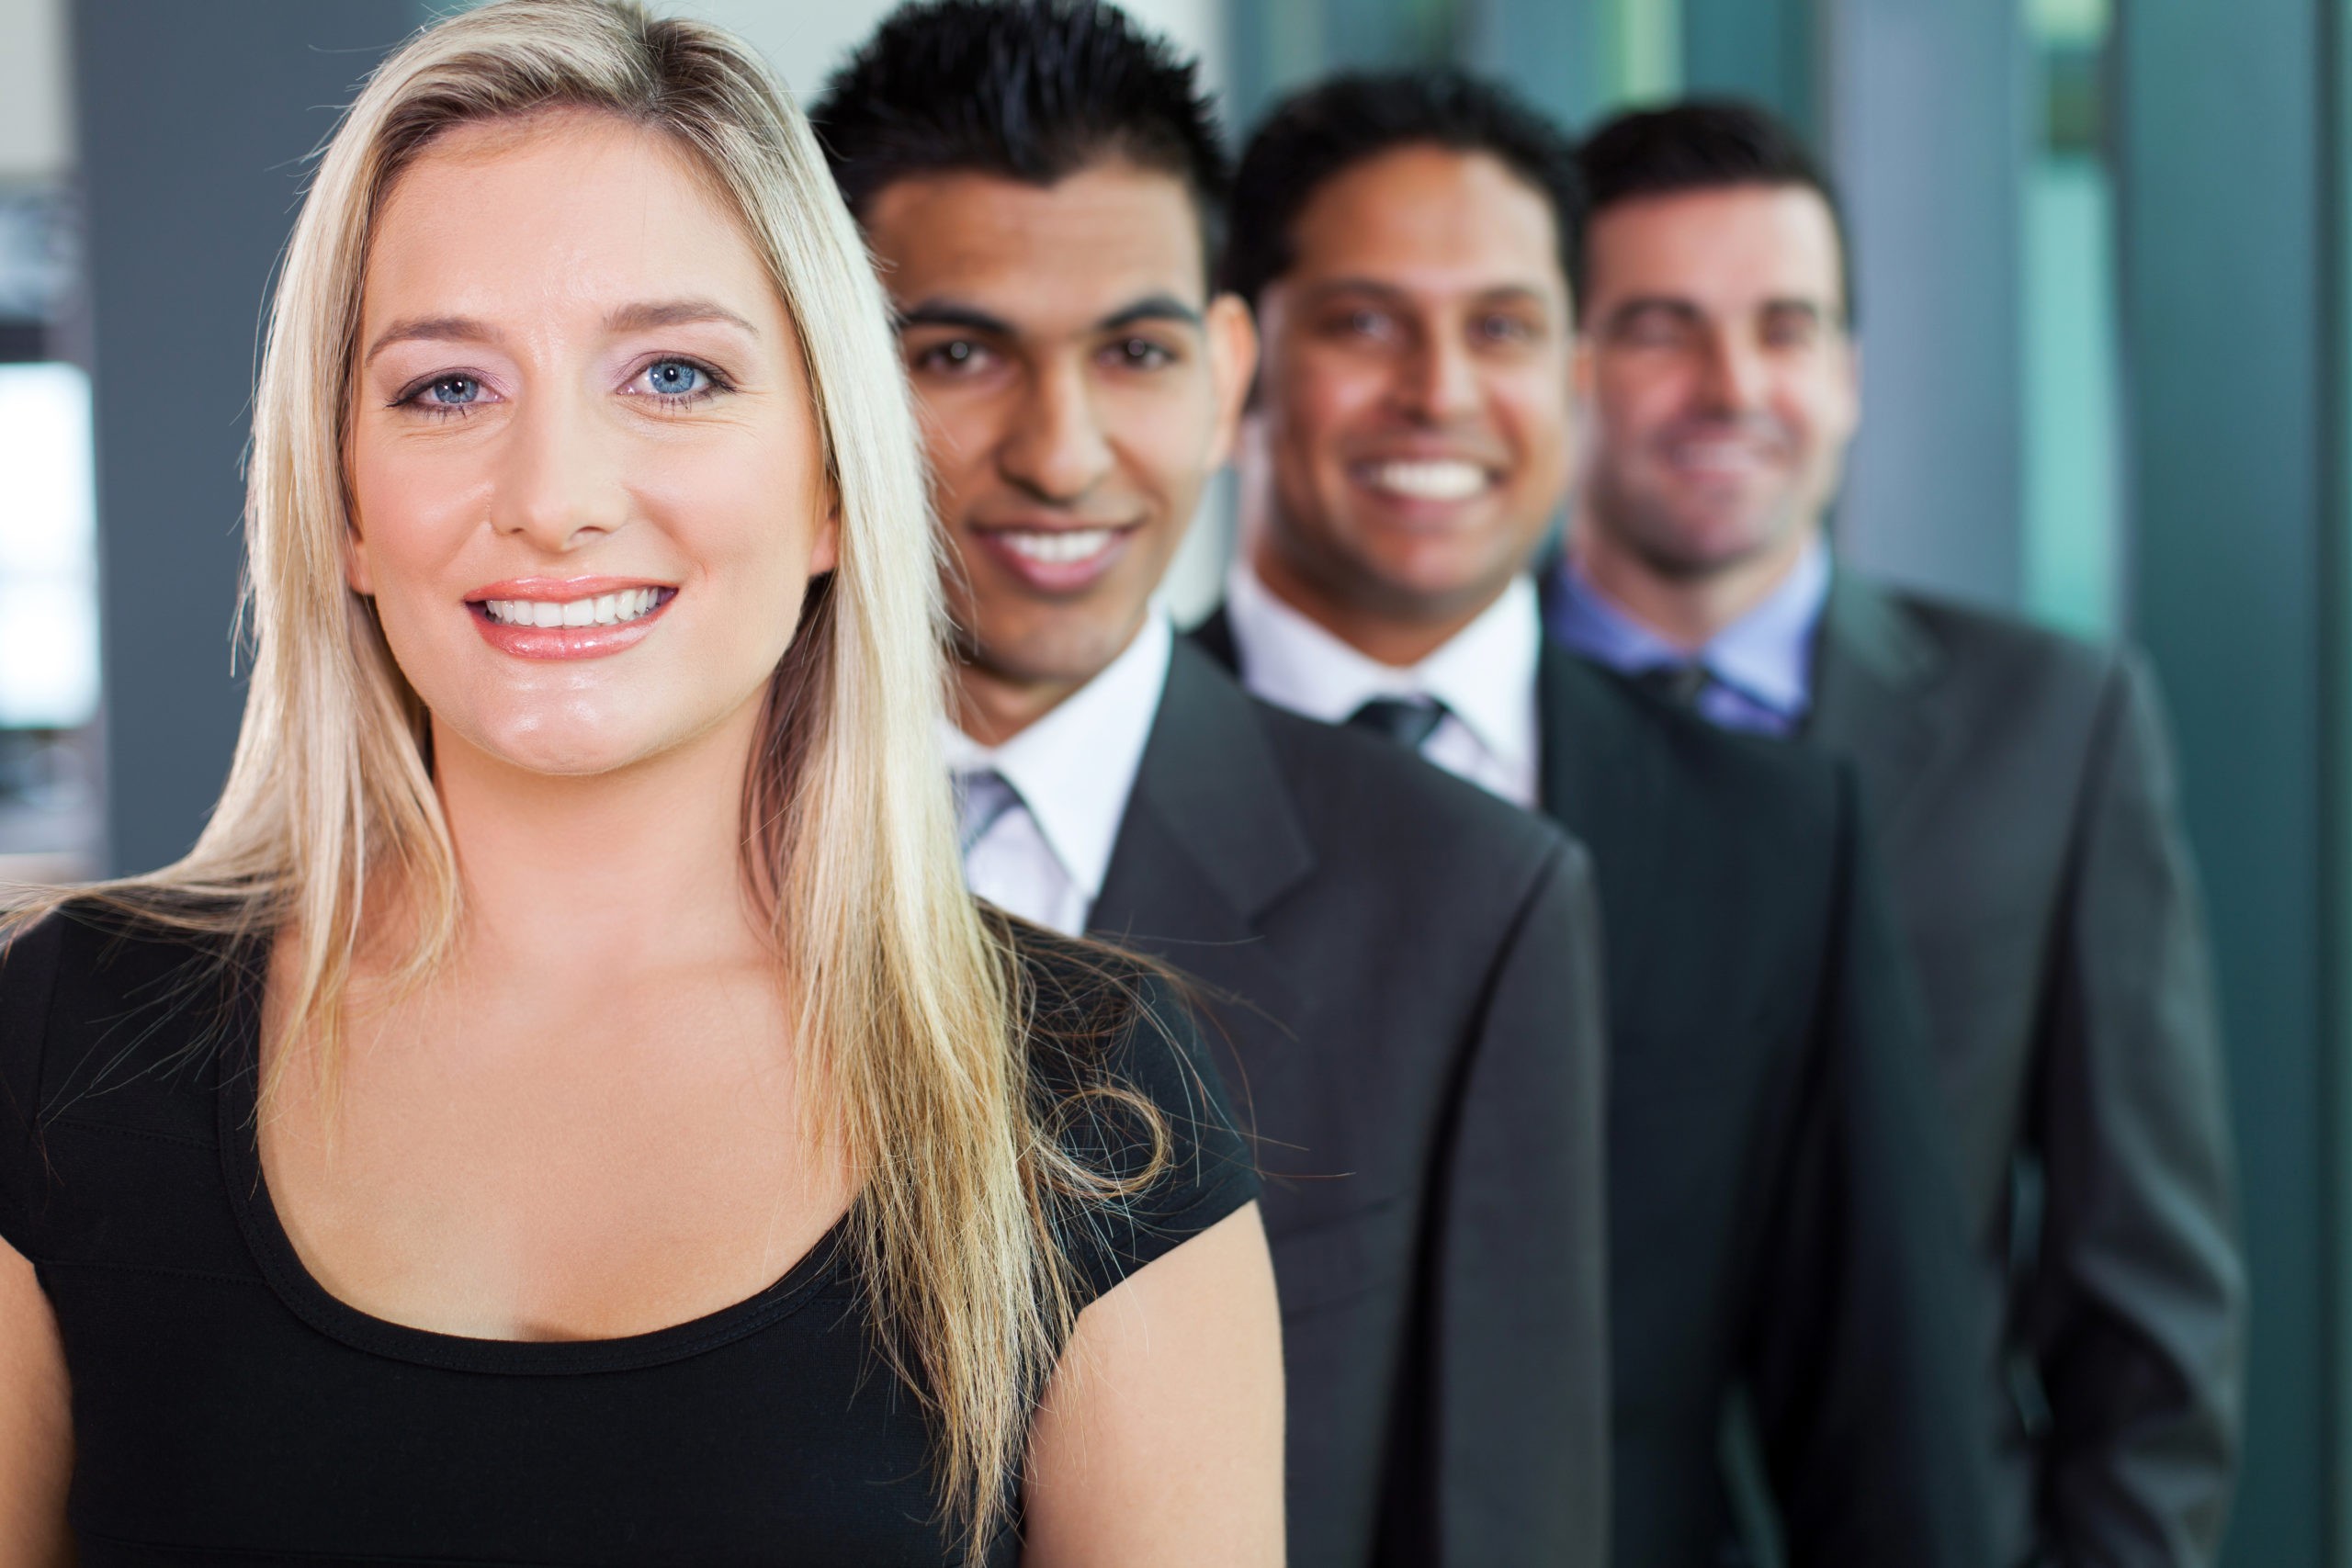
<point>1485,674</point>
<point>1075,767</point>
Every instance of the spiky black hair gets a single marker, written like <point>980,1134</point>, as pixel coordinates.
<point>1030,90</point>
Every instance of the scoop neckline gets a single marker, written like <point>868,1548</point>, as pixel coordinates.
<point>272,1250</point>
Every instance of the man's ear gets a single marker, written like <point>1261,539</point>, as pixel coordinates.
<point>1232,335</point>
<point>1853,387</point>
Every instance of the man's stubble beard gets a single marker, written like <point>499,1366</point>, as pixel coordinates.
<point>1062,656</point>
<point>1352,578</point>
<point>1654,536</point>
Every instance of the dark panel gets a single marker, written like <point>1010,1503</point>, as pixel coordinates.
<point>2220,137</point>
<point>193,124</point>
<point>24,341</point>
<point>2335,1212</point>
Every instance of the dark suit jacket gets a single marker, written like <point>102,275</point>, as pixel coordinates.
<point>1413,1030</point>
<point>2021,785</point>
<point>1781,1208</point>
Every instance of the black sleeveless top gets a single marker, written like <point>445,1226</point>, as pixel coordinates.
<point>228,1410</point>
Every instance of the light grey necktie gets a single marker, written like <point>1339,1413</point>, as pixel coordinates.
<point>983,798</point>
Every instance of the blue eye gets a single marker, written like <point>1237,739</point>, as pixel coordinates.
<point>677,378</point>
<point>450,391</point>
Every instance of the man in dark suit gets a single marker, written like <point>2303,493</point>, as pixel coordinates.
<point>1403,973</point>
<point>1783,1212</point>
<point>2023,798</point>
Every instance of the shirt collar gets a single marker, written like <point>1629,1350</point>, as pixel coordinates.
<point>1766,655</point>
<point>1483,675</point>
<point>1075,767</point>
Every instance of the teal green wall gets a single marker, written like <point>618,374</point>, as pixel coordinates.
<point>2231,282</point>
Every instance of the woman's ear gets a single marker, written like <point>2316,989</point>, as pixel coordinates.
<point>825,549</point>
<point>355,562</point>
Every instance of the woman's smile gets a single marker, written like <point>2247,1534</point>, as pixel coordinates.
<point>583,617</point>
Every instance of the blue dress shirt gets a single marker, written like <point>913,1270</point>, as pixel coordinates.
<point>1759,669</point>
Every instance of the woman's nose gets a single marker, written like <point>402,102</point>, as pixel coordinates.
<point>561,477</point>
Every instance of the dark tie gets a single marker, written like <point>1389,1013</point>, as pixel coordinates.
<point>1681,685</point>
<point>1409,721</point>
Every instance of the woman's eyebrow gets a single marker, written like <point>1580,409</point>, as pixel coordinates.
<point>674,313</point>
<point>626,319</point>
<point>431,329</point>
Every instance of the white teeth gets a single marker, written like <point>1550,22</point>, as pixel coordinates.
<point>599,610</point>
<point>1059,548</point>
<point>1439,479</point>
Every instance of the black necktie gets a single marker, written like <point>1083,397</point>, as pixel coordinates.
<point>1681,685</point>
<point>1409,721</point>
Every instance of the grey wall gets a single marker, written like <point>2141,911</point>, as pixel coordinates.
<point>1922,108</point>
<point>194,121</point>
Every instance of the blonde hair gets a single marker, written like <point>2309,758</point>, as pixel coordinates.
<point>908,1003</point>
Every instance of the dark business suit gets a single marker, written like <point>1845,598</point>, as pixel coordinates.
<point>1412,1031</point>
<point>2021,785</point>
<point>1780,1209</point>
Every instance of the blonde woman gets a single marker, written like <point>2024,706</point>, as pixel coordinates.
<point>564,1110</point>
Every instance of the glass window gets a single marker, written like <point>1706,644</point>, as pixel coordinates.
<point>48,610</point>
<point>2072,437</point>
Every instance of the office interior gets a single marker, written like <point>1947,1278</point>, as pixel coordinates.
<point>2103,251</point>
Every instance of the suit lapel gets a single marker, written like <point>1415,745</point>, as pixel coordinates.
<point>1873,669</point>
<point>1214,638</point>
<point>1209,840</point>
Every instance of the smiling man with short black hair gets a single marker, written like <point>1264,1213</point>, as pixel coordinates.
<point>1783,1216</point>
<point>1405,972</point>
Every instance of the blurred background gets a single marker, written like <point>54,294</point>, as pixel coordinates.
<point>2107,276</point>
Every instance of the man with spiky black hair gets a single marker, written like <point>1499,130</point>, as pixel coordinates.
<point>1784,1219</point>
<point>1403,971</point>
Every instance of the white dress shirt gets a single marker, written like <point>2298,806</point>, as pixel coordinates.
<point>1484,676</point>
<point>1042,854</point>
